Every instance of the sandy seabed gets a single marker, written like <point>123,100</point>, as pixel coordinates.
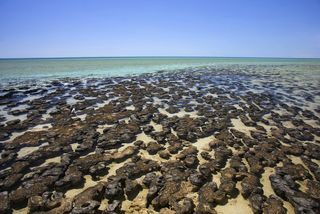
<point>198,140</point>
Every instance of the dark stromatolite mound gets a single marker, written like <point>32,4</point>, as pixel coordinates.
<point>72,177</point>
<point>47,201</point>
<point>138,168</point>
<point>185,206</point>
<point>153,147</point>
<point>286,188</point>
<point>249,184</point>
<point>4,202</point>
<point>132,188</point>
<point>114,137</point>
<point>207,193</point>
<point>274,205</point>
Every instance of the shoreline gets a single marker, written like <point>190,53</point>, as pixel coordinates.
<point>197,139</point>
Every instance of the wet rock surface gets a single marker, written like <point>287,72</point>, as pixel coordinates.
<point>189,141</point>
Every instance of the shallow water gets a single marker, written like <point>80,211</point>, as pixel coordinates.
<point>28,69</point>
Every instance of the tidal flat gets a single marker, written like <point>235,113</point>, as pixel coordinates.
<point>196,140</point>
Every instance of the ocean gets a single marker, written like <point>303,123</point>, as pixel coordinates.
<point>52,68</point>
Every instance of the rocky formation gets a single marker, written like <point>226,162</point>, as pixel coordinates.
<point>181,142</point>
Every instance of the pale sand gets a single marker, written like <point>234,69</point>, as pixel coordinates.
<point>288,124</point>
<point>316,161</point>
<point>138,205</point>
<point>266,184</point>
<point>289,207</point>
<point>145,138</point>
<point>312,123</point>
<point>102,127</point>
<point>21,211</point>
<point>131,107</point>
<point>239,125</point>
<point>202,145</point>
<point>157,127</point>
<point>74,146</point>
<point>216,178</point>
<point>51,160</point>
<point>237,106</point>
<point>28,150</point>
<point>103,204</point>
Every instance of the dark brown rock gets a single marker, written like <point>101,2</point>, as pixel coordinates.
<point>4,203</point>
<point>274,205</point>
<point>153,148</point>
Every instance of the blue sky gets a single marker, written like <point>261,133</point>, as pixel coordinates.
<point>56,28</point>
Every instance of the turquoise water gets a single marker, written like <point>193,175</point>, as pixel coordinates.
<point>22,69</point>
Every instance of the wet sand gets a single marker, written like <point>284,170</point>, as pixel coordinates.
<point>190,141</point>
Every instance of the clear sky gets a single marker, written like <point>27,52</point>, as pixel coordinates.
<point>53,28</point>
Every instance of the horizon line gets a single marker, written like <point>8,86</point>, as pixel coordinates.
<point>160,56</point>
